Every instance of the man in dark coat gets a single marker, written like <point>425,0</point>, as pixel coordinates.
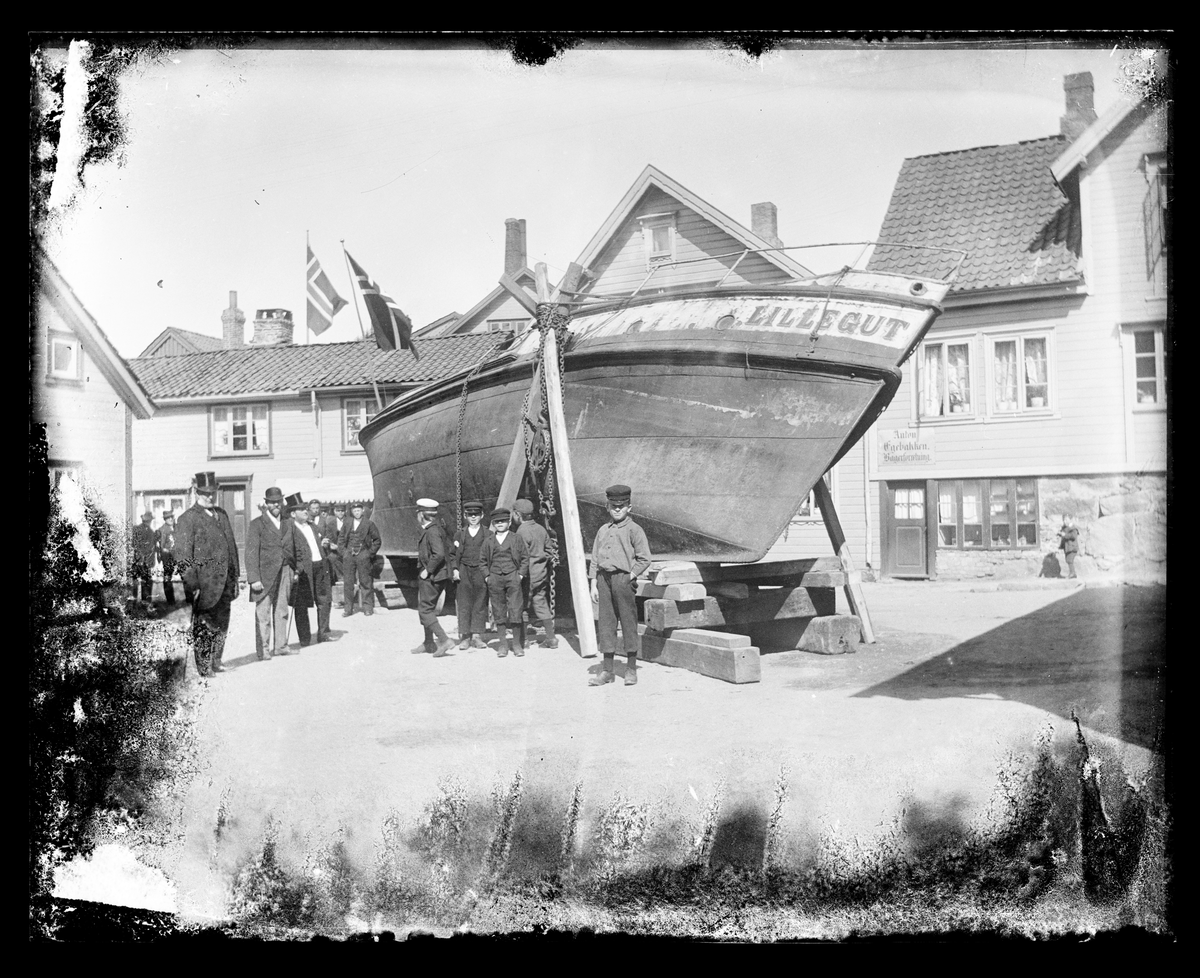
<point>506,564</point>
<point>144,545</point>
<point>536,587</point>
<point>270,563</point>
<point>311,585</point>
<point>166,555</point>
<point>207,556</point>
<point>359,544</point>
<point>466,566</point>
<point>433,558</point>
<point>331,526</point>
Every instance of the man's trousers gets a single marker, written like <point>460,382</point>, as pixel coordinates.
<point>616,604</point>
<point>273,613</point>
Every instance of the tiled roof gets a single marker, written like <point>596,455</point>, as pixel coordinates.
<point>1000,203</point>
<point>202,341</point>
<point>282,368</point>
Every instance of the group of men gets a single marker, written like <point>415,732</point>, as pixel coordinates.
<point>510,565</point>
<point>293,559</point>
<point>294,556</point>
<point>152,546</point>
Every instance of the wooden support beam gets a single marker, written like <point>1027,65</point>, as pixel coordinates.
<point>580,591</point>
<point>781,571</point>
<point>854,591</point>
<point>515,470</point>
<point>518,292</point>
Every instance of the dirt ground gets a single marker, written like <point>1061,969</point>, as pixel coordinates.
<point>329,743</point>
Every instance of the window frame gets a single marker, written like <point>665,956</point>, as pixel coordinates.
<point>57,468</point>
<point>75,374</point>
<point>1129,334</point>
<point>517,327</point>
<point>947,340</point>
<point>215,451</point>
<point>370,410</point>
<point>813,516</point>
<point>1020,337</point>
<point>987,525</point>
<point>649,224</point>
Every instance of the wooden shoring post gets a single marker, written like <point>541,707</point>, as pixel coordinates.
<point>516,459</point>
<point>576,566</point>
<point>854,591</point>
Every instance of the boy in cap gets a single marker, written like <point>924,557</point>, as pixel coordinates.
<point>620,553</point>
<point>434,575</point>
<point>466,563</point>
<point>506,562</point>
<point>166,555</point>
<point>358,544</point>
<point>144,545</point>
<point>536,587</point>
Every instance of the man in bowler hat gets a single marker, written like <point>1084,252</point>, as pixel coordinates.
<point>270,564</point>
<point>620,553</point>
<point>207,556</point>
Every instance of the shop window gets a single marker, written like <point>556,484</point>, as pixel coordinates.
<point>242,429</point>
<point>993,514</point>
<point>945,379</point>
<point>1020,368</point>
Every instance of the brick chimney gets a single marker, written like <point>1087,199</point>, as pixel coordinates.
<point>1081,113</point>
<point>233,323</point>
<point>514,246</point>
<point>272,327</point>
<point>764,221</point>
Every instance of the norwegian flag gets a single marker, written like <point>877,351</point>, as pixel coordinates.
<point>393,329</point>
<point>323,300</point>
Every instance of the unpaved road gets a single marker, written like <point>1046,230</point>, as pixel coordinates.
<point>328,742</point>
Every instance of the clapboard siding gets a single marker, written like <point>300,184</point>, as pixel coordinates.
<point>85,421</point>
<point>621,267</point>
<point>1150,440</point>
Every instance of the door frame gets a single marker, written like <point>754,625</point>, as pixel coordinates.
<point>246,484</point>
<point>887,521</point>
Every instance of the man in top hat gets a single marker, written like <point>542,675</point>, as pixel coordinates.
<point>536,587</point>
<point>466,567</point>
<point>620,553</point>
<point>207,555</point>
<point>311,585</point>
<point>144,545</point>
<point>506,564</point>
<point>270,565</point>
<point>166,555</point>
<point>433,559</point>
<point>358,544</point>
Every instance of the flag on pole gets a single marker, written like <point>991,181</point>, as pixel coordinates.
<point>323,300</point>
<point>393,329</point>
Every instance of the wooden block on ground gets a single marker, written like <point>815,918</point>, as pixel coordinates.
<point>731,589</point>
<point>392,596</point>
<point>703,636</point>
<point>733,665</point>
<point>661,614</point>
<point>832,635</point>
<point>672,592</point>
<point>833,579</point>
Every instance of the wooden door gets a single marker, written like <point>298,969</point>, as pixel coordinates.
<point>232,498</point>
<point>906,530</point>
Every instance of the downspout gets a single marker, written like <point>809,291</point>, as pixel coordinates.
<point>318,455</point>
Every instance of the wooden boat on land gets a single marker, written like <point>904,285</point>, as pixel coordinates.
<point>721,408</point>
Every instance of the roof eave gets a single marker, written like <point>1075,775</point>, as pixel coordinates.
<point>1089,139</point>
<point>1014,293</point>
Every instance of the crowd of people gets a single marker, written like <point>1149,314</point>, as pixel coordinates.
<point>297,551</point>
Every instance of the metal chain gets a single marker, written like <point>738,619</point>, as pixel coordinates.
<point>462,414</point>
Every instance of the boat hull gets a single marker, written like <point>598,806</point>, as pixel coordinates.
<point>720,431</point>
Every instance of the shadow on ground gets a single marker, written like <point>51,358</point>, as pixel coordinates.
<point>1099,651</point>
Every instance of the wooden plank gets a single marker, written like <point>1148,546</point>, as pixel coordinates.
<point>854,591</point>
<point>518,292</point>
<point>515,470</point>
<point>685,572</point>
<point>733,665</point>
<point>702,636</point>
<point>580,591</point>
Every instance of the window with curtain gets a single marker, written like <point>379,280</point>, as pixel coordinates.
<point>991,514</point>
<point>1020,374</point>
<point>242,429</point>
<point>945,379</point>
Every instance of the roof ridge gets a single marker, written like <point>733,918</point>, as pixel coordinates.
<point>304,346</point>
<point>975,149</point>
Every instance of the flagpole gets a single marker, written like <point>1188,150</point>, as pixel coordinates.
<point>308,251</point>
<point>353,291</point>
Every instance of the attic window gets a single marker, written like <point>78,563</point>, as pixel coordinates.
<point>658,234</point>
<point>63,361</point>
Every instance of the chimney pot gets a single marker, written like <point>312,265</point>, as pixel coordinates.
<point>233,322</point>
<point>764,221</point>
<point>1081,112</point>
<point>514,246</point>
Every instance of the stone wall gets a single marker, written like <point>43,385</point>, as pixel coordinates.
<point>1122,521</point>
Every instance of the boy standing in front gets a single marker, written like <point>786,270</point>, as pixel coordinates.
<point>466,564</point>
<point>619,554</point>
<point>537,586</point>
<point>505,563</point>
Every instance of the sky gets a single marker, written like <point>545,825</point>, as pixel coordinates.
<point>414,156</point>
